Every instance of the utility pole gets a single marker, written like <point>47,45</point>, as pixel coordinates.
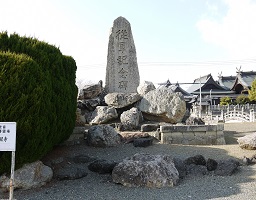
<point>211,96</point>
<point>200,96</point>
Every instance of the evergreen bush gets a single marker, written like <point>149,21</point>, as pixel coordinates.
<point>252,92</point>
<point>38,91</point>
<point>225,101</point>
<point>242,99</point>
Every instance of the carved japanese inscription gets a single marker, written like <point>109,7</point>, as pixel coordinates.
<point>122,73</point>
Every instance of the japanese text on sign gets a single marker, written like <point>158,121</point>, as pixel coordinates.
<point>122,58</point>
<point>7,136</point>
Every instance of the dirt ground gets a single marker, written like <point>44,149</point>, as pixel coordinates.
<point>94,186</point>
<point>234,130</point>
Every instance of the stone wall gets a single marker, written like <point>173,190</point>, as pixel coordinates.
<point>193,134</point>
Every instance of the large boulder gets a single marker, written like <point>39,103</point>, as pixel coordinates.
<point>89,104</point>
<point>226,167</point>
<point>103,136</point>
<point>102,166</point>
<point>211,164</point>
<point>197,160</point>
<point>70,172</point>
<point>29,176</point>
<point>145,87</point>
<point>146,170</point>
<point>180,165</point>
<point>196,165</point>
<point>68,167</point>
<point>197,170</point>
<point>102,114</point>
<point>90,91</point>
<point>163,105</point>
<point>121,100</point>
<point>131,119</point>
<point>81,159</point>
<point>248,141</point>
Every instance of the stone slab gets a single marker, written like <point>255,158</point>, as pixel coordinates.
<point>185,128</point>
<point>166,138</point>
<point>177,138</point>
<point>211,128</point>
<point>122,73</point>
<point>189,135</point>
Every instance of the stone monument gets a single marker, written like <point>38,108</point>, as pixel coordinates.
<point>122,73</point>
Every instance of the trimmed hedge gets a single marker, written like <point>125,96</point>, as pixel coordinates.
<point>38,91</point>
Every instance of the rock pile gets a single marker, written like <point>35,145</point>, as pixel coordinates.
<point>198,165</point>
<point>165,171</point>
<point>130,109</point>
<point>123,90</point>
<point>141,169</point>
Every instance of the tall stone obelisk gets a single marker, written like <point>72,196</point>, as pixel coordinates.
<point>122,73</point>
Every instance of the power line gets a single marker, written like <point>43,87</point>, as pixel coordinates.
<point>195,63</point>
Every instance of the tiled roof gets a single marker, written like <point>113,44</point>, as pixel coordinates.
<point>177,88</point>
<point>225,84</point>
<point>174,87</point>
<point>207,83</point>
<point>196,85</point>
<point>245,79</point>
<point>227,81</point>
<point>248,77</point>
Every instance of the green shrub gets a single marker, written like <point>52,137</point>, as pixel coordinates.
<point>242,99</point>
<point>252,92</point>
<point>38,91</point>
<point>225,101</point>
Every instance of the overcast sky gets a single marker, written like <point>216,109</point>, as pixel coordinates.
<point>179,40</point>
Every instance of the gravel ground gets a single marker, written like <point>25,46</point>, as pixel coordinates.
<point>241,185</point>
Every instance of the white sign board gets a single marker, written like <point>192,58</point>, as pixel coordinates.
<point>7,136</point>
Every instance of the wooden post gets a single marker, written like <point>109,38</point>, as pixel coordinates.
<point>12,176</point>
<point>8,132</point>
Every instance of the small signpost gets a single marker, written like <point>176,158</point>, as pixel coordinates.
<point>8,143</point>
